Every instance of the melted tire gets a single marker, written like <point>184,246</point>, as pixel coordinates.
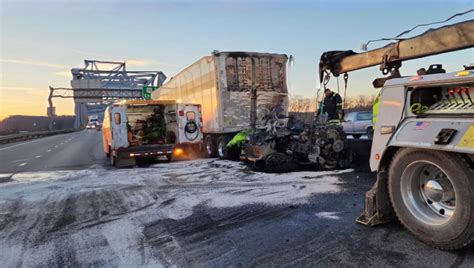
<point>281,167</point>
<point>457,232</point>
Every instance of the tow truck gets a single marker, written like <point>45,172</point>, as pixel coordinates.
<point>423,143</point>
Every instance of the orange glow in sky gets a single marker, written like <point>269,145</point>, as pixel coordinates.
<point>30,101</point>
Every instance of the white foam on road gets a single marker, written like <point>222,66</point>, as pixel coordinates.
<point>5,176</point>
<point>25,177</point>
<point>163,191</point>
<point>327,215</point>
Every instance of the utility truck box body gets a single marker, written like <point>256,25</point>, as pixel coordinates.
<point>221,84</point>
<point>150,129</point>
<point>414,110</point>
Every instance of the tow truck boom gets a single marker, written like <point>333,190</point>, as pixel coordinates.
<point>432,42</point>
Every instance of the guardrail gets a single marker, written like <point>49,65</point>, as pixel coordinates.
<point>33,135</point>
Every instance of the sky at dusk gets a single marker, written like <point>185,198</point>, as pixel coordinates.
<point>42,40</point>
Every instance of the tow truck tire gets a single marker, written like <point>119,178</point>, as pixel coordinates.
<point>210,146</point>
<point>436,209</point>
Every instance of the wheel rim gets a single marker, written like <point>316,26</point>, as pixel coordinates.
<point>221,148</point>
<point>428,192</point>
<point>209,146</point>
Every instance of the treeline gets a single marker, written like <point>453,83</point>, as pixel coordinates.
<point>18,123</point>
<point>304,108</point>
<point>299,104</point>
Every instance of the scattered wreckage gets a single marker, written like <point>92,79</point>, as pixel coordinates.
<point>284,147</point>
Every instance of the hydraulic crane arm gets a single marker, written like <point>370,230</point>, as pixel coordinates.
<point>432,42</point>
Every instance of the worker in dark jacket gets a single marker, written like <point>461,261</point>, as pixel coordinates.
<point>332,105</point>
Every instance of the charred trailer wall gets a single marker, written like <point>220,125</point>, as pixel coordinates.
<point>222,82</point>
<point>236,87</point>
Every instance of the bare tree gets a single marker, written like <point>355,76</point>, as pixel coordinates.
<point>300,104</point>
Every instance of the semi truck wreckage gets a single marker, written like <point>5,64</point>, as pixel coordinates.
<point>423,144</point>
<point>283,144</point>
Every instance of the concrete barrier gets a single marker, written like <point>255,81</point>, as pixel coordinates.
<point>33,135</point>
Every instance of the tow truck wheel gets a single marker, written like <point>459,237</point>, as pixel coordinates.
<point>210,146</point>
<point>432,193</point>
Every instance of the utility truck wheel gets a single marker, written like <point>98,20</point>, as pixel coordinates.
<point>113,160</point>
<point>432,193</point>
<point>210,146</point>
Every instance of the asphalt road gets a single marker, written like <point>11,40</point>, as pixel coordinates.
<point>201,213</point>
<point>76,150</point>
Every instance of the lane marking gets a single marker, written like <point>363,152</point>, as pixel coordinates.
<point>21,160</point>
<point>26,159</point>
<point>48,151</point>
<point>5,148</point>
<point>28,142</point>
<point>55,146</point>
<point>22,164</point>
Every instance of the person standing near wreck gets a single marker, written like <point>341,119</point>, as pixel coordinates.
<point>332,105</point>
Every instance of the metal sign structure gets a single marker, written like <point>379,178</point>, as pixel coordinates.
<point>102,82</point>
<point>147,90</point>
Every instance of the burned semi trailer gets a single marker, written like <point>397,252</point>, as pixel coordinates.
<point>236,90</point>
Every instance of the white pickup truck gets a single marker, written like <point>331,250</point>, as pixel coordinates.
<point>150,129</point>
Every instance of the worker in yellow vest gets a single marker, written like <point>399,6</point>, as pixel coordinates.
<point>375,111</point>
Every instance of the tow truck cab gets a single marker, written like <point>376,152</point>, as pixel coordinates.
<point>423,153</point>
<point>150,129</point>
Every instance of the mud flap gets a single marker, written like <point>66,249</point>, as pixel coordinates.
<point>125,162</point>
<point>377,208</point>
